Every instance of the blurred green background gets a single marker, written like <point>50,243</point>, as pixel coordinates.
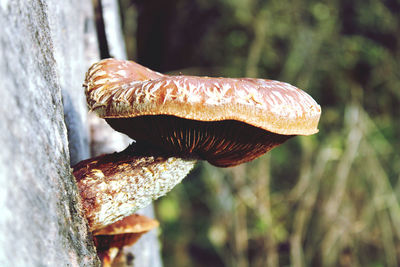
<point>331,199</point>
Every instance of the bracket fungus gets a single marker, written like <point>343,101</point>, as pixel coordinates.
<point>116,185</point>
<point>110,240</point>
<point>177,120</point>
<point>222,120</point>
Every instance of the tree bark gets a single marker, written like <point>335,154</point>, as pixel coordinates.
<point>43,62</point>
<point>46,46</point>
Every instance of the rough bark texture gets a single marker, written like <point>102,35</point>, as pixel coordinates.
<point>42,46</point>
<point>46,46</point>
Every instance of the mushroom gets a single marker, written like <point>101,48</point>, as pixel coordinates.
<point>114,186</point>
<point>110,240</point>
<point>222,120</point>
<point>175,121</point>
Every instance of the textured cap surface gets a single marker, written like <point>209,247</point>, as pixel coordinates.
<point>134,223</point>
<point>123,233</point>
<point>123,89</point>
<point>116,185</point>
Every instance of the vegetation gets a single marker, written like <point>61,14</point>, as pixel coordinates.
<point>326,200</point>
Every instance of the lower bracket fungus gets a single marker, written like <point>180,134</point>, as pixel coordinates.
<point>116,185</point>
<point>110,240</point>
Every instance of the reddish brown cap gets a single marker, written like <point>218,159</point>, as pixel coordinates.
<point>191,113</point>
<point>124,232</point>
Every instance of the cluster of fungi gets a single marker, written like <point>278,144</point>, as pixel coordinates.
<point>176,121</point>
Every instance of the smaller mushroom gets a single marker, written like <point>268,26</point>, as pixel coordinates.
<point>116,185</point>
<point>110,240</point>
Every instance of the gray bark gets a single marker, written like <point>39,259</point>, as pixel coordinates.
<point>42,46</point>
<point>46,48</point>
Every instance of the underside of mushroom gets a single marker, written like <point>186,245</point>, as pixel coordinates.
<point>222,143</point>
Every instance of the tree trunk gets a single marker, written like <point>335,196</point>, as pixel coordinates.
<point>46,46</point>
<point>42,52</point>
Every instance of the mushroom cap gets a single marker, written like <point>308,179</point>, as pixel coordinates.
<point>124,232</point>
<point>125,89</point>
<point>117,90</point>
<point>134,223</point>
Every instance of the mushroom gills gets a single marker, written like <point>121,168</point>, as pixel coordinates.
<point>222,143</point>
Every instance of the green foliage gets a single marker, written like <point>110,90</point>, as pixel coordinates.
<point>326,200</point>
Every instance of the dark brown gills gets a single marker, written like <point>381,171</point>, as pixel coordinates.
<point>222,143</point>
